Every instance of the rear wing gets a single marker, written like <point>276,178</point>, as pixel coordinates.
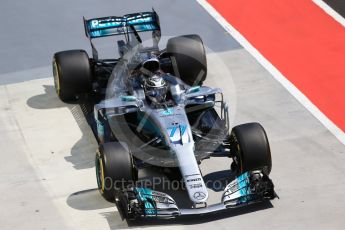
<point>113,25</point>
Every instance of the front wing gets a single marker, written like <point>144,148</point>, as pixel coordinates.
<point>248,188</point>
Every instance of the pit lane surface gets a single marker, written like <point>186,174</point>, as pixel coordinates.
<point>304,43</point>
<point>47,175</point>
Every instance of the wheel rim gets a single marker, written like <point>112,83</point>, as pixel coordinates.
<point>134,170</point>
<point>56,78</point>
<point>100,174</point>
<point>237,156</point>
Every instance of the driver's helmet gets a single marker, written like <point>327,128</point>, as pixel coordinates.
<point>156,88</point>
<point>151,65</point>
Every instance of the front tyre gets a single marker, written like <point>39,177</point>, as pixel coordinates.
<point>114,169</point>
<point>250,149</point>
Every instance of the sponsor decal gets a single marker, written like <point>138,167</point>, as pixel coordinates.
<point>191,175</point>
<point>199,195</point>
<point>194,179</point>
<point>192,186</point>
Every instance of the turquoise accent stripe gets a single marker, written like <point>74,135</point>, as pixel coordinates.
<point>244,187</point>
<point>183,128</point>
<point>174,129</point>
<point>243,180</point>
<point>168,111</point>
<point>145,194</point>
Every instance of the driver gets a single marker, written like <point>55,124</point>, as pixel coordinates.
<point>156,88</point>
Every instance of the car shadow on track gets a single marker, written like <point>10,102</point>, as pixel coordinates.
<point>82,154</point>
<point>89,199</point>
<point>191,220</point>
<point>217,181</point>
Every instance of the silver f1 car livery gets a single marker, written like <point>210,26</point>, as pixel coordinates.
<point>150,108</point>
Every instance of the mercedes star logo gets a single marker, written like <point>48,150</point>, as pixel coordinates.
<point>199,195</point>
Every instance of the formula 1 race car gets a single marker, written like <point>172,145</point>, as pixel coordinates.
<point>149,108</point>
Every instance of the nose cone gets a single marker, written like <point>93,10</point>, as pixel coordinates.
<point>189,168</point>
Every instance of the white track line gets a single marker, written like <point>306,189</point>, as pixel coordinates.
<point>330,11</point>
<point>337,132</point>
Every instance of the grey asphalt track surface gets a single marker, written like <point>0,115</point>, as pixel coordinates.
<point>34,30</point>
<point>47,176</point>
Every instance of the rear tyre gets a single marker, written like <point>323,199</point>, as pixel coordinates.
<point>114,169</point>
<point>72,74</point>
<point>188,58</point>
<point>250,149</point>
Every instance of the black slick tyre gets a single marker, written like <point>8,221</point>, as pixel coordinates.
<point>114,169</point>
<point>188,58</point>
<point>72,74</point>
<point>250,148</point>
